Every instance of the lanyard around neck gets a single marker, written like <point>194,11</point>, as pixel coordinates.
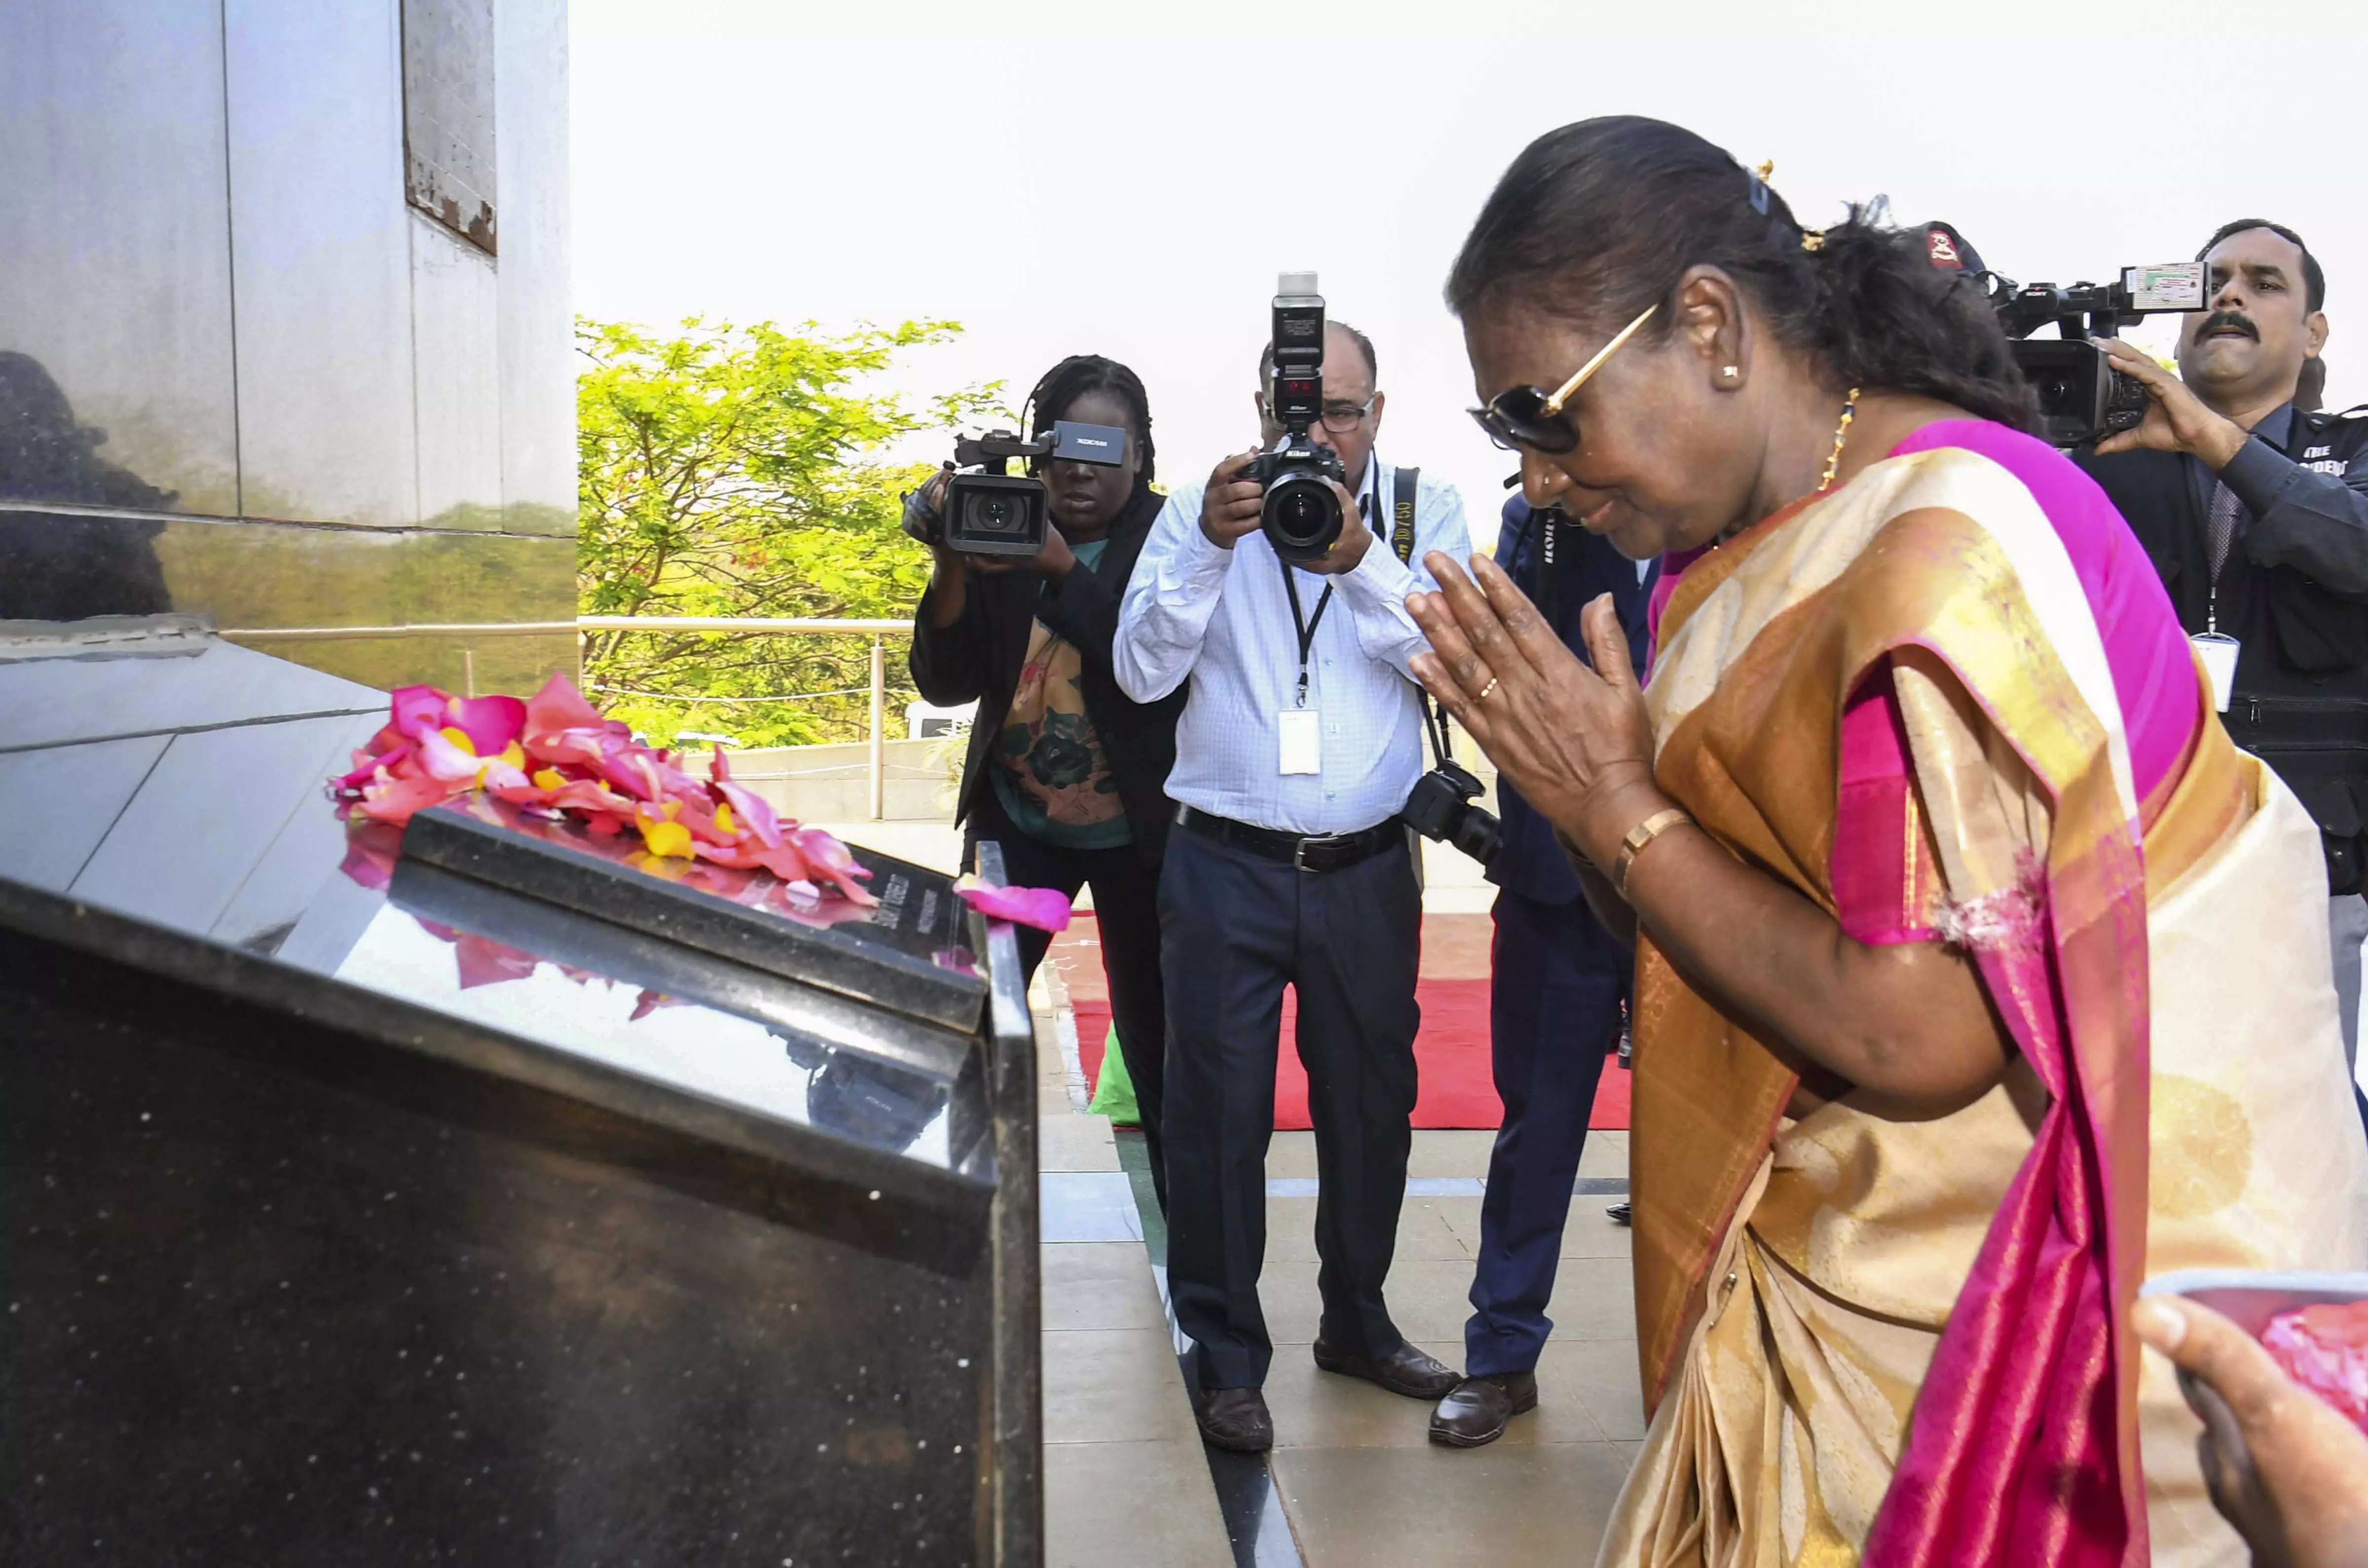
<point>1305,628</point>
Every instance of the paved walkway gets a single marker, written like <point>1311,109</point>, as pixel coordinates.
<point>1353,1480</point>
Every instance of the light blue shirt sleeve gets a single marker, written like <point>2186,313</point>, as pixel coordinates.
<point>1164,618</point>
<point>1375,592</point>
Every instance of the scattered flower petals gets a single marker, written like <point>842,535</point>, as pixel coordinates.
<point>552,766</point>
<point>830,858</point>
<point>1043,909</point>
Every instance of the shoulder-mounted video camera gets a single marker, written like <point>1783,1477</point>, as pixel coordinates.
<point>1301,514</point>
<point>2081,397</point>
<point>989,510</point>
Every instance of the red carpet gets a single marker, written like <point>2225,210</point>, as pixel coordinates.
<point>1450,1053</point>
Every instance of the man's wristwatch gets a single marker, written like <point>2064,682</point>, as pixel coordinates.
<point>1643,833</point>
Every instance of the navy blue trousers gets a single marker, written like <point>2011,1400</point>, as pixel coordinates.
<point>1233,930</point>
<point>1556,981</point>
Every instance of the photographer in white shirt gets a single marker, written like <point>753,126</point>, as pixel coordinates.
<point>1300,740</point>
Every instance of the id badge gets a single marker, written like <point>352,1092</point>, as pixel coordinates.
<point>2217,650</point>
<point>1302,741</point>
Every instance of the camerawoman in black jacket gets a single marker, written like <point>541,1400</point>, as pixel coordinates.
<point>1065,770</point>
<point>2255,513</point>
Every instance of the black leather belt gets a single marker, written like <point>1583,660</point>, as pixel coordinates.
<point>1305,852</point>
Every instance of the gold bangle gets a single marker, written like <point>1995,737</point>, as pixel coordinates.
<point>1643,833</point>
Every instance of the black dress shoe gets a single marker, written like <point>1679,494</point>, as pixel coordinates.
<point>1474,1416</point>
<point>1405,1370</point>
<point>1236,1420</point>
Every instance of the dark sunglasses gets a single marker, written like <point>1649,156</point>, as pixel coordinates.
<point>1525,417</point>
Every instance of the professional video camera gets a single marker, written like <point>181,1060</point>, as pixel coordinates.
<point>2081,396</point>
<point>1301,514</point>
<point>987,509</point>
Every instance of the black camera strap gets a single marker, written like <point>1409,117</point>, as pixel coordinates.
<point>1305,628</point>
<point>1402,496</point>
<point>1404,484</point>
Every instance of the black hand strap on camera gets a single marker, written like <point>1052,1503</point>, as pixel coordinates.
<point>1403,491</point>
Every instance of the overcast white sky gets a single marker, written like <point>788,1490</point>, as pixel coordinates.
<point>1127,179</point>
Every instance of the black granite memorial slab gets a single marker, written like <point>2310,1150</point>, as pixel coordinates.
<point>366,1212</point>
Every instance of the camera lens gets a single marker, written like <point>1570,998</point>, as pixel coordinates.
<point>1301,517</point>
<point>992,512</point>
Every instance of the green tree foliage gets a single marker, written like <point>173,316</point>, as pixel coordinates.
<point>738,472</point>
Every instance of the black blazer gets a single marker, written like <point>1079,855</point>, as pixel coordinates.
<point>979,656</point>
<point>2300,697</point>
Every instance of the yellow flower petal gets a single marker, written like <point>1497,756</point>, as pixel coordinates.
<point>515,754</point>
<point>723,820</point>
<point>549,779</point>
<point>460,737</point>
<point>670,810</point>
<point>667,839</point>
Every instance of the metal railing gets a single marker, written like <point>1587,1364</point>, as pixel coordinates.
<point>875,630</point>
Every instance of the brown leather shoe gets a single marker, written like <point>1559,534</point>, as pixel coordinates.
<point>1405,1370</point>
<point>1236,1420</point>
<point>1474,1416</point>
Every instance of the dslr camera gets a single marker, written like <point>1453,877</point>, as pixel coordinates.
<point>1441,808</point>
<point>988,510</point>
<point>2081,397</point>
<point>1302,512</point>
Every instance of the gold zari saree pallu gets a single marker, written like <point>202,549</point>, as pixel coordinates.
<point>1827,1302</point>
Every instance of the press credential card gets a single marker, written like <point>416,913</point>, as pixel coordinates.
<point>1303,740</point>
<point>2217,653</point>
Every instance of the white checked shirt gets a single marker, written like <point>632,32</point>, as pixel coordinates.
<point>1221,617</point>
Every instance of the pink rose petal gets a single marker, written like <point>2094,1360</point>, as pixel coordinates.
<point>366,766</point>
<point>1044,909</point>
<point>831,862</point>
<point>490,723</point>
<point>418,708</point>
<point>444,760</point>
<point>393,800</point>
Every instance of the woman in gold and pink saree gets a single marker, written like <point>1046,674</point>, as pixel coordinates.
<point>1979,977</point>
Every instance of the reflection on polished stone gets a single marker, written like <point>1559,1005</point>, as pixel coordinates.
<point>67,565</point>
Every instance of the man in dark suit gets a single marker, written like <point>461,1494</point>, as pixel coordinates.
<point>1556,982</point>
<point>2255,511</point>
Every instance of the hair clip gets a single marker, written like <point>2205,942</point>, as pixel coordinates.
<point>1759,187</point>
<point>1813,239</point>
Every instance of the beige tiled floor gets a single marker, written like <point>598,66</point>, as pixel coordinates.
<point>1361,1482</point>
<point>1506,1503</point>
<point>1127,1481</point>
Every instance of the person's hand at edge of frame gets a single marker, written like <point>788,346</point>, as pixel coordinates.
<point>2289,1472</point>
<point>1577,745</point>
